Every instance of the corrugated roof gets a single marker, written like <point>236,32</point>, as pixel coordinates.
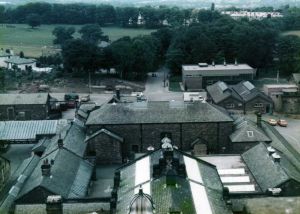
<point>157,112</point>
<point>218,94</point>
<point>24,99</point>
<point>26,130</point>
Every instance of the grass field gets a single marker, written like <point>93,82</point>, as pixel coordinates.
<point>294,32</point>
<point>35,42</point>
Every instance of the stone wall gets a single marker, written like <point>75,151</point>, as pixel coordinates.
<point>106,149</point>
<point>32,112</point>
<point>141,136</point>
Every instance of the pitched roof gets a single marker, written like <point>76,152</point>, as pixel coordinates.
<point>70,175</point>
<point>19,61</point>
<point>107,132</point>
<point>247,91</point>
<point>24,99</point>
<point>157,112</point>
<point>4,54</point>
<point>267,172</point>
<point>220,91</point>
<point>200,190</point>
<point>248,131</point>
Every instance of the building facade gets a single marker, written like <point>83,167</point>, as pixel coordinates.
<point>24,106</point>
<point>196,77</point>
<point>242,97</point>
<point>136,127</point>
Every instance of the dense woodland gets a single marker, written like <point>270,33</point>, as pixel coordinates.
<point>211,37</point>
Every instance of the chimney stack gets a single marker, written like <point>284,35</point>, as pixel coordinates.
<point>118,93</point>
<point>60,143</point>
<point>258,119</point>
<point>46,168</point>
<point>54,204</point>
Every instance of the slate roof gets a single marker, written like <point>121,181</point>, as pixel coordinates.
<point>242,129</point>
<point>267,172</point>
<point>248,92</point>
<point>243,91</point>
<point>19,61</point>
<point>27,130</point>
<point>70,175</point>
<point>166,197</point>
<point>24,99</point>
<point>219,94</point>
<point>157,112</point>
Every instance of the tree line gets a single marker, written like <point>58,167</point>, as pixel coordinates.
<point>154,17</point>
<point>215,38</point>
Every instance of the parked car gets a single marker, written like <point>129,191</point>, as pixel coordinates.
<point>272,122</point>
<point>71,96</point>
<point>282,123</point>
<point>85,98</point>
<point>71,104</point>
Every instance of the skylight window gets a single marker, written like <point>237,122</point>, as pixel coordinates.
<point>250,134</point>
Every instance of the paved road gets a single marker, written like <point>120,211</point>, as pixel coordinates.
<point>155,90</point>
<point>290,133</point>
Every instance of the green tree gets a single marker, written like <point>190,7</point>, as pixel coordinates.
<point>92,33</point>
<point>80,56</point>
<point>62,34</point>
<point>33,20</point>
<point>288,54</point>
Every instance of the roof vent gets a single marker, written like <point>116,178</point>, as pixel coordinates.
<point>271,150</point>
<point>276,157</point>
<point>202,65</point>
<point>274,191</point>
<point>213,63</point>
<point>235,62</point>
<point>225,64</point>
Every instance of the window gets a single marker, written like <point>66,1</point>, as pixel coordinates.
<point>250,133</point>
<point>230,105</point>
<point>258,105</point>
<point>135,148</point>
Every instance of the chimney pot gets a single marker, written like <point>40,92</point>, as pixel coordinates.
<point>60,143</point>
<point>276,157</point>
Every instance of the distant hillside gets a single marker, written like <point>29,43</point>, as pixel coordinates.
<point>180,3</point>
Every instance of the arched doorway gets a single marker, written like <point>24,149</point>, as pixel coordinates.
<point>199,147</point>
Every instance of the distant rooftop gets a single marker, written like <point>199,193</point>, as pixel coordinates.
<point>157,112</point>
<point>19,61</point>
<point>23,99</point>
<point>216,67</point>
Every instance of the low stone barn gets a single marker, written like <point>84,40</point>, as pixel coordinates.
<point>24,106</point>
<point>138,127</point>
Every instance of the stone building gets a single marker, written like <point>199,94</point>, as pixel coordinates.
<point>20,63</point>
<point>136,127</point>
<point>242,97</point>
<point>24,106</point>
<point>196,77</point>
<point>279,93</point>
<point>290,102</point>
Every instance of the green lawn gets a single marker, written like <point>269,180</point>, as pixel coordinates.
<point>294,32</point>
<point>34,42</point>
